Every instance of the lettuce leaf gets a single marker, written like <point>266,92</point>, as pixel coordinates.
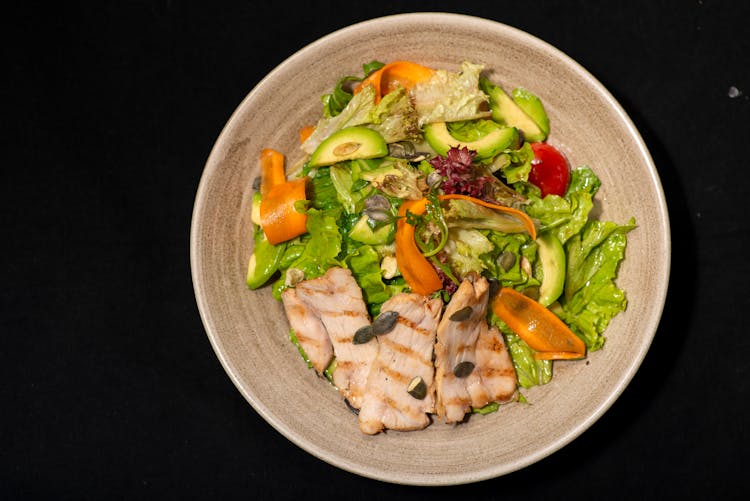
<point>449,97</point>
<point>337,100</point>
<point>591,298</point>
<point>356,112</point>
<point>529,371</point>
<point>322,192</point>
<point>515,165</point>
<point>393,117</point>
<point>564,216</point>
<point>464,250</point>
<point>364,263</point>
<point>519,245</point>
<point>324,244</point>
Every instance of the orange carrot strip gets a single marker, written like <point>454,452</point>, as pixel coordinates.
<point>416,270</point>
<point>542,330</point>
<point>278,217</point>
<point>271,170</point>
<point>397,73</point>
<point>525,219</point>
<point>305,132</point>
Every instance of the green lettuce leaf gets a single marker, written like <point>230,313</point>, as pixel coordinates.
<point>564,216</point>
<point>591,298</point>
<point>508,269</point>
<point>364,263</point>
<point>449,97</point>
<point>356,112</point>
<point>322,191</point>
<point>393,117</point>
<point>530,371</point>
<point>464,250</point>
<point>515,165</point>
<point>465,214</point>
<point>323,245</point>
<point>337,100</point>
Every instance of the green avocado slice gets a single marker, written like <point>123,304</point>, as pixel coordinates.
<point>507,112</point>
<point>349,143</point>
<point>552,256</point>
<point>440,139</point>
<point>533,107</point>
<point>361,232</point>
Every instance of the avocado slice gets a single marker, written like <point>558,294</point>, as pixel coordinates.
<point>440,139</point>
<point>361,232</point>
<point>255,209</point>
<point>265,260</point>
<point>507,112</point>
<point>349,143</point>
<point>533,107</point>
<point>552,257</point>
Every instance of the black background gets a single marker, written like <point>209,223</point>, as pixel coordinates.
<point>109,388</point>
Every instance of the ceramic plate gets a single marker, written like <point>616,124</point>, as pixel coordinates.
<point>248,329</point>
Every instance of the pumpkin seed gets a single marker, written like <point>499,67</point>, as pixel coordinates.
<point>403,149</point>
<point>417,388</point>
<point>462,314</point>
<point>494,287</point>
<point>532,292</point>
<point>363,334</point>
<point>434,179</point>
<point>385,323</point>
<point>378,215</point>
<point>506,260</point>
<point>377,202</point>
<point>463,369</point>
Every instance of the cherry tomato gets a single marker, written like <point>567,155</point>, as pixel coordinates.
<point>549,170</point>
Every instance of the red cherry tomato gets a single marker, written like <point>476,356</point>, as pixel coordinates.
<point>549,170</point>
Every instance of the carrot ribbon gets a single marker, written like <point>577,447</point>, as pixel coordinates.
<point>541,329</point>
<point>279,217</point>
<point>395,74</point>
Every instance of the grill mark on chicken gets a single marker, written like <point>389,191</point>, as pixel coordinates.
<point>489,372</point>
<point>411,325</point>
<point>405,350</point>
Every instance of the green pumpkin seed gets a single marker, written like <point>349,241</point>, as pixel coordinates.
<point>385,322</point>
<point>463,369</point>
<point>417,388</point>
<point>532,292</point>
<point>363,334</point>
<point>462,314</point>
<point>506,260</point>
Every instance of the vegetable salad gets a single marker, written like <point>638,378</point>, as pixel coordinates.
<point>415,177</point>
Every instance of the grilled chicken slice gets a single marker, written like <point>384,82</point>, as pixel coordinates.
<point>334,302</point>
<point>404,353</point>
<point>494,377</point>
<point>310,331</point>
<point>472,364</point>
